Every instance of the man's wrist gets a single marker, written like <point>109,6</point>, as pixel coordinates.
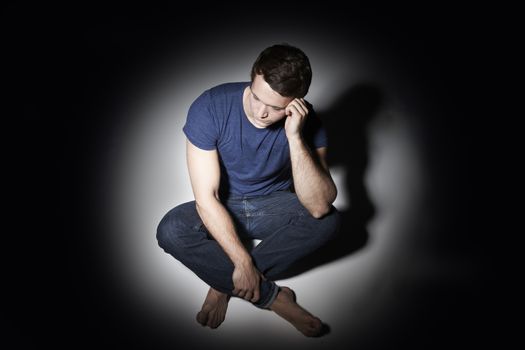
<point>295,139</point>
<point>242,260</point>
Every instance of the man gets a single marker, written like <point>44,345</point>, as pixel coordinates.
<point>256,156</point>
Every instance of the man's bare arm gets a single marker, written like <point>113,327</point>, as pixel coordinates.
<point>204,170</point>
<point>312,180</point>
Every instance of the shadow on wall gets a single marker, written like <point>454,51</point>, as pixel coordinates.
<point>346,123</point>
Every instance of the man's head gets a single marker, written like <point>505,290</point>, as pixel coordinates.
<point>285,68</point>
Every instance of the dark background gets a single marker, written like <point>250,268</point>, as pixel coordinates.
<point>66,67</point>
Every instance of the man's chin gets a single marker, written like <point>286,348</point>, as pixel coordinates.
<point>263,123</point>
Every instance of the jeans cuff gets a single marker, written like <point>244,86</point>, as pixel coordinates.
<point>265,304</point>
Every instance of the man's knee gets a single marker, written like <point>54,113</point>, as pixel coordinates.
<point>166,232</point>
<point>171,229</point>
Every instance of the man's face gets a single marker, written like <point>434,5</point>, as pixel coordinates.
<point>266,106</point>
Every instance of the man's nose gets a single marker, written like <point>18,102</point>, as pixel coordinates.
<point>262,111</point>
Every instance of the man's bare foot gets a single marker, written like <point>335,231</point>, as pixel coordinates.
<point>286,307</point>
<point>214,309</point>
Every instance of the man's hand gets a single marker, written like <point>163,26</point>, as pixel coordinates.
<point>296,113</point>
<point>246,280</point>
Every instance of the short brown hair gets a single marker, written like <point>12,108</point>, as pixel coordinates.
<point>285,68</point>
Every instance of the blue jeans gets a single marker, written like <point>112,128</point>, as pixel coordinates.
<point>286,229</point>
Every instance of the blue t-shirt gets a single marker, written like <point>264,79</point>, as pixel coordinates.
<point>253,161</point>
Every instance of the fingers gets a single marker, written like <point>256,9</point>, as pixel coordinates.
<point>301,106</point>
<point>249,295</point>
<point>297,106</point>
<point>241,293</point>
<point>246,284</point>
<point>256,296</point>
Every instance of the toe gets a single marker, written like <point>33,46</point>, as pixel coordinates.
<point>314,327</point>
<point>213,322</point>
<point>202,318</point>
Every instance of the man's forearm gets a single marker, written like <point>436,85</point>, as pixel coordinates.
<point>313,184</point>
<point>220,225</point>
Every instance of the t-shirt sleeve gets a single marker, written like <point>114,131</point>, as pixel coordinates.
<point>200,127</point>
<point>314,131</point>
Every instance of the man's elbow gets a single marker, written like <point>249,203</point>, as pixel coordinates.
<point>203,202</point>
<point>320,211</point>
<point>323,208</point>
